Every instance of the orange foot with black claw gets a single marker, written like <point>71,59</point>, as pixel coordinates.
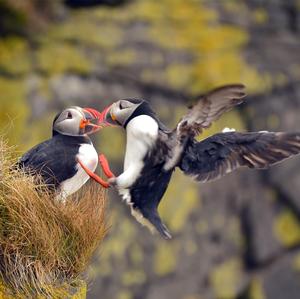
<point>94,176</point>
<point>105,166</point>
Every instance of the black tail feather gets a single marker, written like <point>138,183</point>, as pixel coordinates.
<point>160,227</point>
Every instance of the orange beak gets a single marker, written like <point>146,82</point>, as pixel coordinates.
<point>108,118</point>
<point>92,121</point>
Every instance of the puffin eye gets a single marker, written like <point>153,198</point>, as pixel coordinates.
<point>69,115</point>
<point>124,105</point>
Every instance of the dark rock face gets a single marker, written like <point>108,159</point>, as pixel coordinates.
<point>287,278</point>
<point>247,217</point>
<point>11,22</point>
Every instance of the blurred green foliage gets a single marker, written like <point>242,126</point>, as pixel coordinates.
<point>98,39</point>
<point>287,228</point>
<point>14,111</point>
<point>165,258</point>
<point>225,279</point>
<point>297,263</point>
<point>12,20</point>
<point>14,56</point>
<point>256,289</point>
<point>59,58</point>
<point>190,26</point>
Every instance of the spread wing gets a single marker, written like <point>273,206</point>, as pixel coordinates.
<point>224,152</point>
<point>209,108</point>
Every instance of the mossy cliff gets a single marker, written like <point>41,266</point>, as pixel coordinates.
<point>234,238</point>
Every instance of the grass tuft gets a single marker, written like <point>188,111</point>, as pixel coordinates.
<point>44,244</point>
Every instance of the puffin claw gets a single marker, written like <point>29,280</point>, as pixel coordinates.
<point>93,175</point>
<point>105,166</point>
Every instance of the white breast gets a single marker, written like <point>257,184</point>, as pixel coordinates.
<point>142,132</point>
<point>87,155</point>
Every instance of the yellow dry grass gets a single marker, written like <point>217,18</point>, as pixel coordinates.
<point>45,244</point>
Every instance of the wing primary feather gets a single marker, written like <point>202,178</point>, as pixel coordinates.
<point>208,109</point>
<point>224,152</point>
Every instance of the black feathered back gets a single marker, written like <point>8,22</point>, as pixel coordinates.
<point>53,159</point>
<point>144,109</point>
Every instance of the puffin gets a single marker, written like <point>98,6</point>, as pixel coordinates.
<point>59,160</point>
<point>153,151</point>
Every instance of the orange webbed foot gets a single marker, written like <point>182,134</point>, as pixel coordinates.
<point>105,166</point>
<point>93,175</point>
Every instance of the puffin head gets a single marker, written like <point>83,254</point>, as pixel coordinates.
<point>77,121</point>
<point>121,112</point>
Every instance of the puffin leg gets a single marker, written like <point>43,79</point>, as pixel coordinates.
<point>94,176</point>
<point>105,166</point>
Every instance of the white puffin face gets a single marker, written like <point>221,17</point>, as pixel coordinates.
<point>75,121</point>
<point>120,111</point>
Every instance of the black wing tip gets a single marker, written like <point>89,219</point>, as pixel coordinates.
<point>288,137</point>
<point>295,135</point>
<point>238,100</point>
<point>240,86</point>
<point>237,91</point>
<point>241,92</point>
<point>282,146</point>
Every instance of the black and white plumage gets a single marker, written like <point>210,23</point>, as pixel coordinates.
<point>153,152</point>
<point>56,159</point>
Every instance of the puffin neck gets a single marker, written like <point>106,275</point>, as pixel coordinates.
<point>143,109</point>
<point>71,139</point>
